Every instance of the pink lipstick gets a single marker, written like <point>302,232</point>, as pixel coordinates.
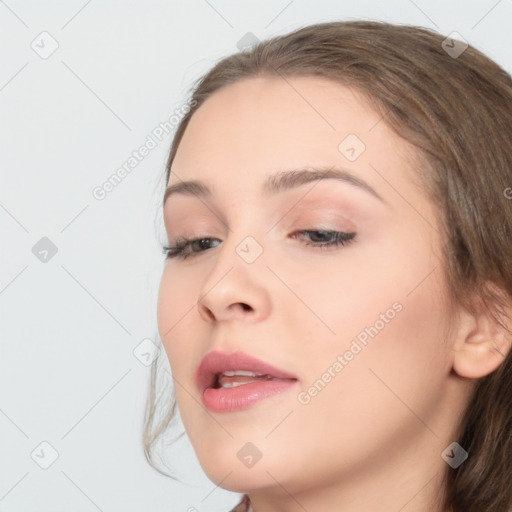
<point>236,381</point>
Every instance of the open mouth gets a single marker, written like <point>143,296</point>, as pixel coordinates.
<point>233,379</point>
<point>236,381</point>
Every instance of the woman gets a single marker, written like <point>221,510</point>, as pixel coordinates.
<point>335,304</point>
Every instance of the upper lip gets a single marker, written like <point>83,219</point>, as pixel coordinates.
<point>216,362</point>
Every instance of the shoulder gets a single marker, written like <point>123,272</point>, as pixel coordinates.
<point>243,506</point>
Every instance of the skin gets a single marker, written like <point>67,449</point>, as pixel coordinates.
<point>372,438</point>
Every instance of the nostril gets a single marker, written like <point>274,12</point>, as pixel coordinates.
<point>236,306</point>
<point>208,312</point>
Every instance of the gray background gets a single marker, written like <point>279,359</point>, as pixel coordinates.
<point>70,321</point>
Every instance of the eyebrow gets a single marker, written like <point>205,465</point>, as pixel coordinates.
<point>278,182</point>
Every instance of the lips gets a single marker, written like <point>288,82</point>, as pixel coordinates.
<point>217,365</point>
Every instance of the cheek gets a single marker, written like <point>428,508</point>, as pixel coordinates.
<point>392,279</point>
<point>389,389</point>
<point>175,311</point>
<point>389,322</point>
<point>176,315</point>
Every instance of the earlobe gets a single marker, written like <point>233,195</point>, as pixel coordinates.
<point>481,346</point>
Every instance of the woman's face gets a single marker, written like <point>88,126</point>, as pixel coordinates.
<point>358,325</point>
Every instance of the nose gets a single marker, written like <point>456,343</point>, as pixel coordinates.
<point>234,289</point>
<point>216,313</point>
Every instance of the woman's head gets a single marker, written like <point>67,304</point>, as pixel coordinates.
<point>397,336</point>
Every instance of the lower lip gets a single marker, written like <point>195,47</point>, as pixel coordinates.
<point>243,397</point>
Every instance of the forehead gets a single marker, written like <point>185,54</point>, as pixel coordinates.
<point>269,117</point>
<point>254,127</point>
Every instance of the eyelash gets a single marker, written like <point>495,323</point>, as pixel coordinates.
<point>178,250</point>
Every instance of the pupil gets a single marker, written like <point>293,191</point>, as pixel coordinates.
<point>322,235</point>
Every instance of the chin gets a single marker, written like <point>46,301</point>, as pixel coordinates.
<point>231,474</point>
<point>239,480</point>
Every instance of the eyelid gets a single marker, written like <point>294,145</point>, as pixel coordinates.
<point>328,217</point>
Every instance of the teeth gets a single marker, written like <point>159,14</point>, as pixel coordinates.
<point>234,384</point>
<point>242,373</point>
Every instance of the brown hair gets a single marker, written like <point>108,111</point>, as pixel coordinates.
<point>457,111</point>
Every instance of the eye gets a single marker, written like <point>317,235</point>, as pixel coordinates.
<point>185,247</point>
<point>322,238</point>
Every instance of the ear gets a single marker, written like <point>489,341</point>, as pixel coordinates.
<point>482,344</point>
